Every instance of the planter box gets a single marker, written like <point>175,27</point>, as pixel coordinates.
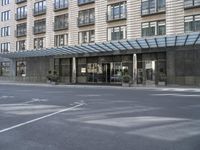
<point>162,83</point>
<point>126,84</point>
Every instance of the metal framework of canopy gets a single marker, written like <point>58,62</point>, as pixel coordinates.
<point>122,45</point>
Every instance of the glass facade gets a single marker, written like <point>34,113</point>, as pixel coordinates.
<point>108,69</point>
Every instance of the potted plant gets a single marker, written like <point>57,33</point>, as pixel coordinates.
<point>52,77</point>
<point>162,79</point>
<point>126,80</point>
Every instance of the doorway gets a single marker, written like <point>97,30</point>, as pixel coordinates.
<point>106,72</point>
<point>150,72</point>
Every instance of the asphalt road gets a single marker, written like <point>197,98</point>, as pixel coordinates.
<point>64,118</point>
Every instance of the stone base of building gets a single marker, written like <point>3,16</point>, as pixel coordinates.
<point>169,66</point>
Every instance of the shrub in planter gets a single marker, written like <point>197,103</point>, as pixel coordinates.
<point>52,77</point>
<point>126,80</point>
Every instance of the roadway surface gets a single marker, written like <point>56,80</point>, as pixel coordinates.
<point>98,118</point>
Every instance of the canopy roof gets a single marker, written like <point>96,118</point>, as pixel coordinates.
<point>122,45</point>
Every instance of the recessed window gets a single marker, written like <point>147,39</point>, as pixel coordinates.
<point>39,43</point>
<point>192,23</point>
<point>191,3</point>
<point>5,2</point>
<point>117,33</point>
<point>5,31</point>
<point>21,30</point>
<point>21,45</point>
<point>116,11</point>
<point>39,26</point>
<point>5,15</point>
<point>152,6</point>
<point>86,17</point>
<point>154,28</point>
<point>5,47</point>
<point>21,13</point>
<point>60,4</point>
<point>20,1</point>
<point>60,40</point>
<point>39,8</point>
<point>86,36</point>
<point>61,22</point>
<point>82,2</point>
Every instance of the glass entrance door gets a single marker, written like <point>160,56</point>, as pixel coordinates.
<point>106,72</point>
<point>150,72</point>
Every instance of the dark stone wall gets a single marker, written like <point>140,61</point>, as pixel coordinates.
<point>183,66</point>
<point>36,69</point>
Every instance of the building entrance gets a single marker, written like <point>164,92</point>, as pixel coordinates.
<point>150,72</point>
<point>106,72</point>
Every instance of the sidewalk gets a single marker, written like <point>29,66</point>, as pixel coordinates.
<point>175,87</point>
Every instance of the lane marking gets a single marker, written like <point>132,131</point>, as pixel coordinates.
<point>40,118</point>
<point>6,97</point>
<point>178,95</point>
<point>35,100</point>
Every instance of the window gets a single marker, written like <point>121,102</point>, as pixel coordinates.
<point>61,22</point>
<point>21,45</point>
<point>191,3</point>
<point>117,33</point>
<point>40,8</point>
<point>154,28</point>
<point>21,13</point>
<point>82,2</point>
<point>86,17</point>
<point>192,23</point>
<point>152,6</point>
<point>116,11</point>
<point>40,26</point>
<point>5,47</point>
<point>60,4</point>
<point>21,30</point>
<point>60,40</point>
<point>39,43</point>
<point>20,1</point>
<point>4,68</point>
<point>5,2</point>
<point>5,31</point>
<point>5,15</point>
<point>21,68</point>
<point>86,36</point>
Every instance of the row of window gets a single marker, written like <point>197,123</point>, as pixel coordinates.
<point>192,23</point>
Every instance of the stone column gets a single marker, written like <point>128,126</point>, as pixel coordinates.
<point>12,69</point>
<point>134,68</point>
<point>74,70</point>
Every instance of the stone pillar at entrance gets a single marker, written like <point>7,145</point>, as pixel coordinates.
<point>134,68</point>
<point>13,69</point>
<point>74,70</point>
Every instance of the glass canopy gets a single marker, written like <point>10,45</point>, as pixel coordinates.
<point>123,45</point>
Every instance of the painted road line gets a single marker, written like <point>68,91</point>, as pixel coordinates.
<point>6,97</point>
<point>40,118</point>
<point>35,100</point>
<point>177,95</point>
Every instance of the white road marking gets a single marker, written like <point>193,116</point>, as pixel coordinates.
<point>176,94</point>
<point>6,97</point>
<point>35,100</point>
<point>40,118</point>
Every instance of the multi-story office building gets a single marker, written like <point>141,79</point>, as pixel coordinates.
<point>100,41</point>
